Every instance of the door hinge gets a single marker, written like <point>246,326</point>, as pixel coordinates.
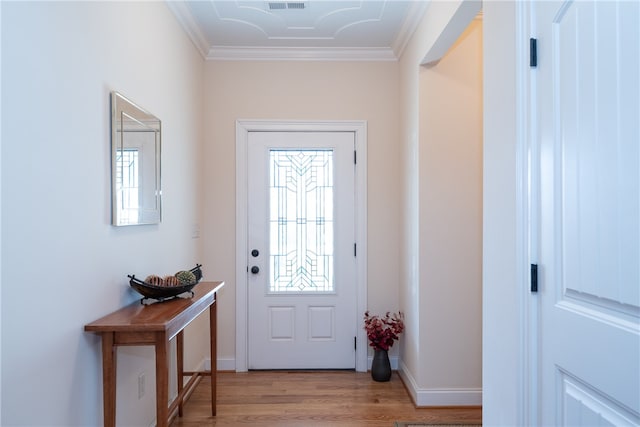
<point>533,52</point>
<point>355,157</point>
<point>355,250</point>
<point>534,277</point>
<point>355,343</point>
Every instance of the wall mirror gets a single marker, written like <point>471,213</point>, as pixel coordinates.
<point>135,164</point>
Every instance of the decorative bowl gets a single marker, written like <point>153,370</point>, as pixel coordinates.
<point>161,293</point>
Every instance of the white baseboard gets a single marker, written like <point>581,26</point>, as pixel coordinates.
<point>223,364</point>
<point>439,397</point>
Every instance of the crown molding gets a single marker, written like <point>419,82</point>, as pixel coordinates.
<point>416,12</point>
<point>185,19</point>
<point>223,53</point>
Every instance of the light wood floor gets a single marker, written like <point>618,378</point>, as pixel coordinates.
<point>320,398</point>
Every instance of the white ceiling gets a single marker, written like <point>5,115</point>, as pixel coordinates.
<point>299,30</point>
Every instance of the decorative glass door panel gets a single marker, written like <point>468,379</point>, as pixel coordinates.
<point>301,221</point>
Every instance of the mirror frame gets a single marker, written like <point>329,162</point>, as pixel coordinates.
<point>129,126</point>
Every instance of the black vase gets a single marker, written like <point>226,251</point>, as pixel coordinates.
<point>381,367</point>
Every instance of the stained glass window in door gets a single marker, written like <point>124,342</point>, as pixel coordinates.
<point>301,221</point>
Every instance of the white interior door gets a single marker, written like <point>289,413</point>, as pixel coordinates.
<point>588,91</point>
<point>301,235</point>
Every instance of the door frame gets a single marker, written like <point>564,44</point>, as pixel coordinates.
<point>243,127</point>
<point>509,364</point>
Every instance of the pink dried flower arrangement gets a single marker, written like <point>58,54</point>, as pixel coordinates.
<point>383,331</point>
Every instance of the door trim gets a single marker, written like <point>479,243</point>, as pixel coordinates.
<point>507,364</point>
<point>243,127</point>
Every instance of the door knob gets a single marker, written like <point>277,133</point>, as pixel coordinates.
<point>255,253</point>
<point>255,269</point>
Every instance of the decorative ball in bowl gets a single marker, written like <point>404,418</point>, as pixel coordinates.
<point>155,287</point>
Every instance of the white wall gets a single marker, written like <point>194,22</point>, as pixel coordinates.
<point>302,90</point>
<point>441,249</point>
<point>64,265</point>
<point>1,216</point>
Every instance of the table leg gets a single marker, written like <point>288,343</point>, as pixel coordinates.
<point>213,324</point>
<point>162,380</point>
<point>109,379</point>
<point>180,369</point>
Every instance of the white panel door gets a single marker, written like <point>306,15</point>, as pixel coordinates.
<point>588,131</point>
<point>301,235</point>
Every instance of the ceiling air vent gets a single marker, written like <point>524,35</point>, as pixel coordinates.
<point>282,5</point>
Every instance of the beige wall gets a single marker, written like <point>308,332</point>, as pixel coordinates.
<point>312,91</point>
<point>442,207</point>
<point>451,215</point>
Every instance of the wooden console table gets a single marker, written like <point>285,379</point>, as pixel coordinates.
<point>156,325</point>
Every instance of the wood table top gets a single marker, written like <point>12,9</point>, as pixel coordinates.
<point>161,316</point>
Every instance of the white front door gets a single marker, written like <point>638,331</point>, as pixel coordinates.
<point>301,234</point>
<point>588,131</point>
